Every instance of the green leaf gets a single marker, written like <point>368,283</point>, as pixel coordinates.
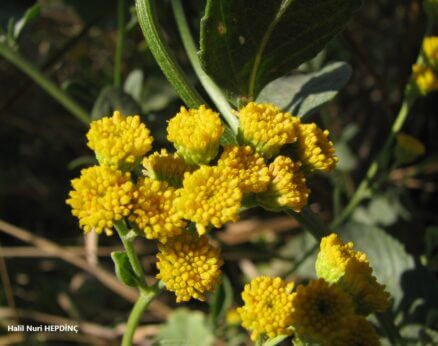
<point>185,327</point>
<point>124,271</point>
<point>134,84</point>
<point>304,94</point>
<point>31,14</point>
<point>112,99</point>
<point>248,43</point>
<point>221,301</point>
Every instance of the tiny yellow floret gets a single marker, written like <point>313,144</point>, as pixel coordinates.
<point>100,197</point>
<point>210,197</point>
<point>154,210</point>
<point>189,266</point>
<point>314,149</point>
<point>350,270</point>
<point>425,78</point>
<point>119,141</point>
<point>356,332</point>
<point>166,166</point>
<point>430,49</point>
<point>319,311</point>
<point>267,308</point>
<point>267,128</point>
<point>195,134</point>
<point>249,167</point>
<point>287,188</point>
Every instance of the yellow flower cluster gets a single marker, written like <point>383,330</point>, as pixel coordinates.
<point>154,210</point>
<point>189,266</point>
<point>430,49</point>
<point>119,141</point>
<point>196,134</point>
<point>287,187</point>
<point>181,190</point>
<point>425,78</point>
<point>425,72</point>
<point>339,263</point>
<point>359,332</point>
<point>268,307</point>
<point>319,311</point>
<point>210,197</point>
<point>165,166</point>
<point>249,167</point>
<point>314,149</point>
<point>100,197</point>
<point>326,311</point>
<point>266,128</point>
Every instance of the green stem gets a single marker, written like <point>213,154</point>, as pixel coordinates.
<point>50,87</point>
<point>311,222</point>
<point>167,62</point>
<point>123,231</point>
<point>120,43</point>
<point>145,298</point>
<point>212,89</point>
<point>364,187</point>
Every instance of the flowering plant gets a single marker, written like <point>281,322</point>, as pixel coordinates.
<point>240,146</point>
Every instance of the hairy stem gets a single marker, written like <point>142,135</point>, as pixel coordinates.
<point>130,251</point>
<point>120,43</point>
<point>162,54</point>
<point>212,89</point>
<point>51,88</point>
<point>311,222</point>
<point>145,298</point>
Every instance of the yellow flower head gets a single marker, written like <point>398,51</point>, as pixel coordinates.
<point>119,141</point>
<point>430,49</point>
<point>334,256</point>
<point>339,263</point>
<point>287,188</point>
<point>267,308</point>
<point>210,197</point>
<point>247,166</point>
<point>319,310</point>
<point>266,128</point>
<point>425,78</point>
<point>100,197</point>
<point>189,266</point>
<point>195,134</point>
<point>357,332</point>
<point>314,149</point>
<point>165,166</point>
<point>154,210</point>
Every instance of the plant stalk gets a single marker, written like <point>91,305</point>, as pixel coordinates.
<point>162,54</point>
<point>51,88</point>
<point>120,43</point>
<point>123,231</point>
<point>145,298</point>
<point>212,89</point>
<point>381,160</point>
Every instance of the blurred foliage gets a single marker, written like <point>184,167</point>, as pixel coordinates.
<point>42,148</point>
